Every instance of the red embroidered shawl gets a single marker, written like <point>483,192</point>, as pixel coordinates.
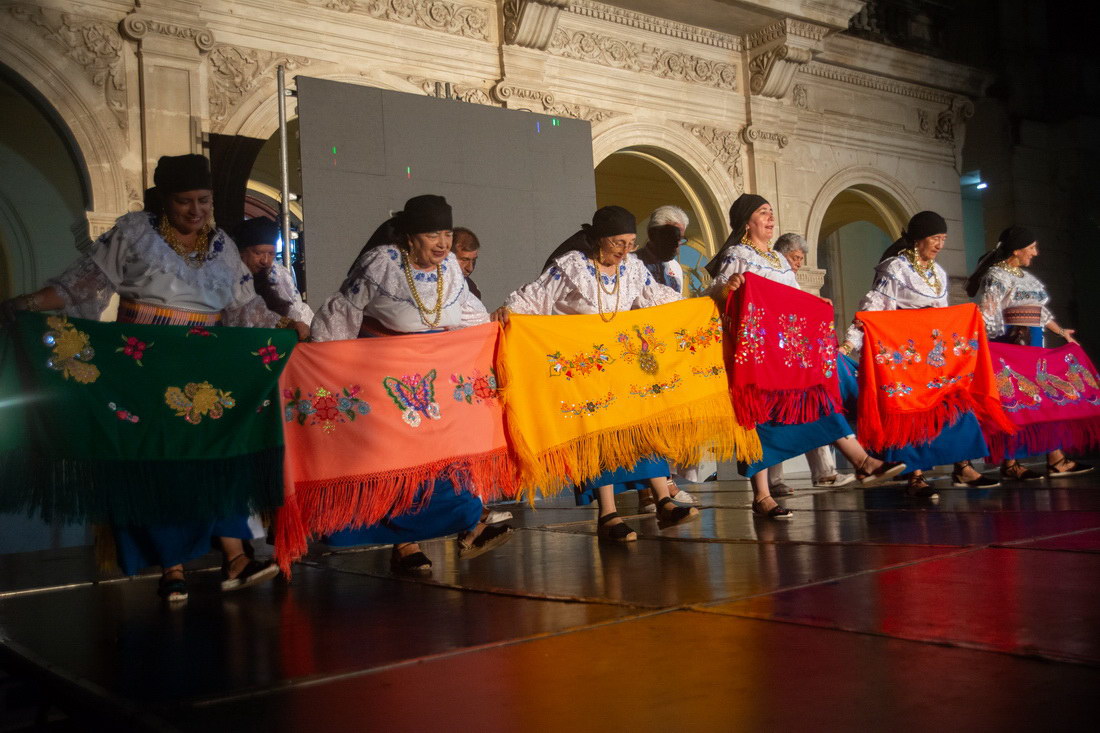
<point>780,354</point>
<point>1052,395</point>
<point>921,370</point>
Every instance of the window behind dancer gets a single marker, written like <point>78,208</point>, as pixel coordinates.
<point>823,471</point>
<point>407,280</point>
<point>594,272</point>
<point>273,282</point>
<point>1013,303</point>
<point>175,268</point>
<point>907,277</point>
<point>748,249</point>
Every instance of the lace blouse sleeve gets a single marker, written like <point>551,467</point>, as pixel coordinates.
<point>336,320</point>
<point>84,288</point>
<point>247,308</point>
<point>473,310</point>
<point>992,296</point>
<point>540,296</point>
<point>655,294</point>
<point>880,298</point>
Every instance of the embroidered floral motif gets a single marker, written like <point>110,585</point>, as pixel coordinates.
<point>132,347</point>
<point>72,351</point>
<point>197,400</point>
<point>712,371</point>
<point>555,272</point>
<point>826,348</point>
<point>263,406</point>
<point>1079,376</point>
<point>583,409</point>
<point>414,396</point>
<point>199,331</point>
<point>942,381</point>
<point>701,338</point>
<point>323,407</point>
<point>793,342</point>
<point>268,354</point>
<point>1008,380</point>
<point>477,387</point>
<point>903,358</point>
<point>750,336</point>
<point>645,352</point>
<point>581,364</point>
<point>654,390</point>
<point>963,345</point>
<point>121,414</point>
<point>1057,389</point>
<point>936,356</point>
<point>896,389</point>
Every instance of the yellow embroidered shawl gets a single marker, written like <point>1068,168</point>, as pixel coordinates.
<point>583,396</point>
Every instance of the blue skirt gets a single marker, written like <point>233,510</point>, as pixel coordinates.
<point>446,512</point>
<point>959,442</point>
<point>781,442</point>
<point>632,478</point>
<point>1033,336</point>
<point>165,545</point>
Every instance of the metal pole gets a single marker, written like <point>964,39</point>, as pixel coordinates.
<point>284,169</point>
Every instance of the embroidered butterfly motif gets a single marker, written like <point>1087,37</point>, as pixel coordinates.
<point>414,396</point>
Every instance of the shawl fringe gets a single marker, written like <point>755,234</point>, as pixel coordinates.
<point>682,434</point>
<point>912,427</point>
<point>754,405</point>
<point>1072,436</point>
<point>128,492</point>
<point>321,507</point>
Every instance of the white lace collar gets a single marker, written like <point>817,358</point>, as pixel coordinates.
<point>218,274</point>
<point>579,272</point>
<point>382,267</point>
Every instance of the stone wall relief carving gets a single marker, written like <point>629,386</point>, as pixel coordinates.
<point>449,90</point>
<point>95,46</point>
<point>618,53</point>
<point>531,23</point>
<point>725,145</point>
<point>776,53</point>
<point>800,96</point>
<point>753,135</point>
<point>537,100</point>
<point>136,26</point>
<point>654,24</point>
<point>237,71</point>
<point>468,21</point>
<point>951,125</point>
<point>877,83</point>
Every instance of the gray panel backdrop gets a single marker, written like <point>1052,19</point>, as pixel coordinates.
<point>522,182</point>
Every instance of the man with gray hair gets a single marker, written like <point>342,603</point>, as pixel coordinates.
<point>822,463</point>
<point>665,231</point>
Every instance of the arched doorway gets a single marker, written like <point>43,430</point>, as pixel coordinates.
<point>641,178</point>
<point>44,191</point>
<point>857,226</point>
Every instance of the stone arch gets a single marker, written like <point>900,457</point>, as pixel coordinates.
<point>81,107</point>
<point>882,194</point>
<point>684,158</point>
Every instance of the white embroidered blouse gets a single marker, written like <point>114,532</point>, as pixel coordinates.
<point>1001,288</point>
<point>378,287</point>
<point>133,260</point>
<point>740,258</point>
<point>283,283</point>
<point>569,287</point>
<point>898,286</point>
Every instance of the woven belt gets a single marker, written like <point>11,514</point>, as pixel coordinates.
<point>131,311</point>
<point>1023,315</point>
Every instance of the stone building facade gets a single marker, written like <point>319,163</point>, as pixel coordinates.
<point>722,96</point>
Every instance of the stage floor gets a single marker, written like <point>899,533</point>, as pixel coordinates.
<point>868,611</point>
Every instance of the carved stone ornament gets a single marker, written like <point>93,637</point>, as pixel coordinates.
<point>950,124</point>
<point>800,96</point>
<point>447,90</point>
<point>776,53</point>
<point>136,26</point>
<point>753,135</point>
<point>726,147</point>
<point>97,47</point>
<point>654,24</point>
<point>530,23</point>
<point>438,15</point>
<point>924,121</point>
<point>537,100</point>
<point>237,71</point>
<point>641,57</point>
<point>878,83</point>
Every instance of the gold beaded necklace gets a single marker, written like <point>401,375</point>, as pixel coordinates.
<point>193,256</point>
<point>1013,269</point>
<point>422,310</point>
<point>769,254</point>
<point>924,272</point>
<point>600,289</point>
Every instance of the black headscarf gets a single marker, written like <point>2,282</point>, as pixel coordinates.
<point>177,173</point>
<point>427,213</point>
<point>741,211</point>
<point>259,230</point>
<point>1012,239</point>
<point>923,224</point>
<point>610,221</point>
